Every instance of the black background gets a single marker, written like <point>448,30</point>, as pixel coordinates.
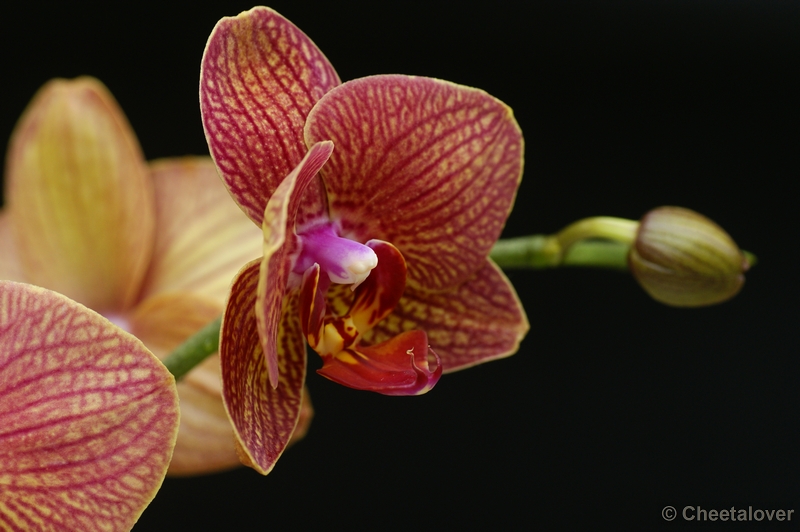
<point>615,406</point>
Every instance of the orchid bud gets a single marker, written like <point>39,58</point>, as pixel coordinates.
<point>683,259</point>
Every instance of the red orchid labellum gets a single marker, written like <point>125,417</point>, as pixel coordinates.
<point>394,187</point>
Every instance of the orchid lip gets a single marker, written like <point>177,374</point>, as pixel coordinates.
<point>345,261</point>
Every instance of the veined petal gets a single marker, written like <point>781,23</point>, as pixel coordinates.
<point>88,416</point>
<point>403,365</point>
<point>80,196</point>
<point>203,238</point>
<point>259,78</point>
<point>10,267</point>
<point>479,321</point>
<point>280,243</point>
<point>428,165</point>
<point>205,437</point>
<point>264,418</point>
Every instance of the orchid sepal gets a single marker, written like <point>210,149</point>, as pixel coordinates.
<point>260,76</point>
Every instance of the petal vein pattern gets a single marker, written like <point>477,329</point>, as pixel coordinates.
<point>88,416</point>
<point>260,76</point>
<point>431,167</point>
<point>263,417</point>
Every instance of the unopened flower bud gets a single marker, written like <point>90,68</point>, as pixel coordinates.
<point>683,259</point>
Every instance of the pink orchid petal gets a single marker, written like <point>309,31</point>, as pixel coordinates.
<point>280,243</point>
<point>479,321</point>
<point>399,366</point>
<point>428,165</point>
<point>88,416</point>
<point>260,76</point>
<point>205,437</point>
<point>203,238</point>
<point>264,418</point>
<point>80,196</point>
<point>10,266</point>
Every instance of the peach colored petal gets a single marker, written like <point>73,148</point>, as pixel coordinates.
<point>202,237</point>
<point>259,77</point>
<point>264,418</point>
<point>205,438</point>
<point>428,165</point>
<point>478,321</point>
<point>88,416</point>
<point>80,196</point>
<point>10,267</point>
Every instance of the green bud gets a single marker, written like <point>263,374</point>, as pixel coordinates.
<point>683,259</point>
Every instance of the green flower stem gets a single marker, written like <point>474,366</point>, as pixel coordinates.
<point>604,227</point>
<point>600,241</point>
<point>539,252</point>
<point>194,350</point>
<point>597,254</point>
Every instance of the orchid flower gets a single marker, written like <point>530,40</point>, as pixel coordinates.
<point>379,200</point>
<point>152,248</point>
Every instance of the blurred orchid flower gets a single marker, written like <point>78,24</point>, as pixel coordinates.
<point>153,248</point>
<point>404,210</point>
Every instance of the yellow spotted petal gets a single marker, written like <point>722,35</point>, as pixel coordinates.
<point>88,416</point>
<point>203,238</point>
<point>80,196</point>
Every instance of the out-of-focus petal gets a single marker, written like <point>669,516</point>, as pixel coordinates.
<point>479,321</point>
<point>205,438</point>
<point>280,243</point>
<point>260,76</point>
<point>203,238</point>
<point>263,417</point>
<point>80,195</point>
<point>88,416</point>
<point>428,165</point>
<point>10,267</point>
